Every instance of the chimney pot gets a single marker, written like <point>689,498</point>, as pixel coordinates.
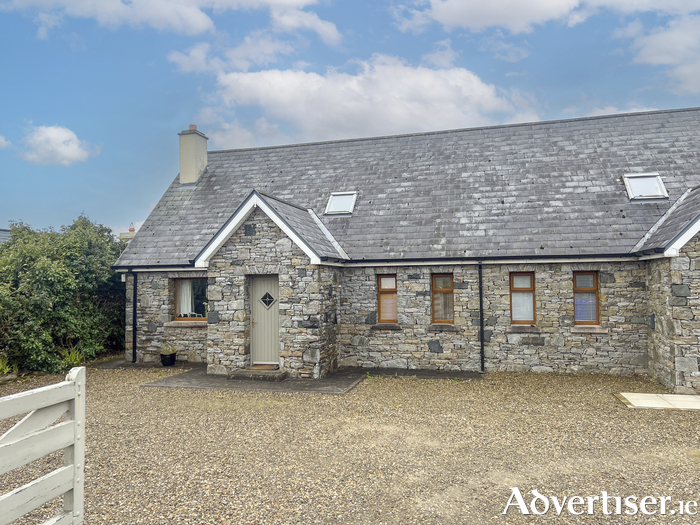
<point>193,127</point>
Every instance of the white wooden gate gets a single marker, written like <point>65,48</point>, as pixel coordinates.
<point>36,436</point>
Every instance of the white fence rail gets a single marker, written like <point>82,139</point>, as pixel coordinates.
<point>36,436</point>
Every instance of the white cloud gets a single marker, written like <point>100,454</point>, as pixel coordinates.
<point>181,16</point>
<point>290,19</point>
<point>676,46</point>
<point>443,55</point>
<point>386,95</point>
<point>514,15</point>
<point>46,21</point>
<point>234,135</point>
<point>4,143</point>
<point>612,110</point>
<point>518,16</point>
<point>631,30</point>
<point>257,49</point>
<point>195,61</point>
<point>55,145</point>
<point>502,49</point>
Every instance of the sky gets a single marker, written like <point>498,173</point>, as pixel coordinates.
<point>94,92</point>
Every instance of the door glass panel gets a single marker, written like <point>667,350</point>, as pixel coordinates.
<point>267,300</point>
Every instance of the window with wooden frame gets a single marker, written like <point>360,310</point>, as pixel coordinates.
<point>586,309</point>
<point>522,298</point>
<point>387,306</point>
<point>443,298</point>
<point>190,299</point>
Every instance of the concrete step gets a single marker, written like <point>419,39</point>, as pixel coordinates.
<point>259,375</point>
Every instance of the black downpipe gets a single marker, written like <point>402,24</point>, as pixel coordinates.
<point>481,317</point>
<point>133,321</point>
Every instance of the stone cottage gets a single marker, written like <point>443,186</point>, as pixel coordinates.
<point>566,246</point>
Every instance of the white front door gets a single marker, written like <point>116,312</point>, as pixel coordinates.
<point>264,333</point>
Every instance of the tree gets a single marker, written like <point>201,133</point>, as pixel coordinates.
<point>58,295</point>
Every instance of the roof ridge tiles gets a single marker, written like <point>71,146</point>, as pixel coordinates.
<point>460,130</point>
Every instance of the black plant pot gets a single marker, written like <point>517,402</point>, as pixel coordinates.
<point>168,359</point>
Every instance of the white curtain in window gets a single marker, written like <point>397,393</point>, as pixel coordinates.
<point>185,298</point>
<point>523,307</point>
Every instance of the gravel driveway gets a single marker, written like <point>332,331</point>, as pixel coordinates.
<point>392,450</point>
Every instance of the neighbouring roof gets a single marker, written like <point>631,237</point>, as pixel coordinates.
<point>4,235</point>
<point>523,190</point>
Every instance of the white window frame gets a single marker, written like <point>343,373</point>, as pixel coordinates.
<point>630,191</point>
<point>341,194</point>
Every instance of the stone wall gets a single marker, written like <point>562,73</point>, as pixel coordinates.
<point>618,345</point>
<point>675,302</point>
<point>307,302</point>
<point>154,322</point>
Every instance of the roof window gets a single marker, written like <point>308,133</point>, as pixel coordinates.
<point>341,202</point>
<point>645,186</point>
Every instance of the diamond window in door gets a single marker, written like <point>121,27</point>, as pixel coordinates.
<point>267,300</point>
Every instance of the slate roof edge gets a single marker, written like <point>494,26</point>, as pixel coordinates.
<point>459,130</point>
<point>661,221</point>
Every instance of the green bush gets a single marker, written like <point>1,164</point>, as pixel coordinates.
<point>59,296</point>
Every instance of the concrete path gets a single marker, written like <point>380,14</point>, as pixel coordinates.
<point>668,401</point>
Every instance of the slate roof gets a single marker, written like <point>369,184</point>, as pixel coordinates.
<point>4,235</point>
<point>684,212</point>
<point>524,190</point>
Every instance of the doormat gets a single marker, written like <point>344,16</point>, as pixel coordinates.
<point>264,367</point>
<point>667,401</point>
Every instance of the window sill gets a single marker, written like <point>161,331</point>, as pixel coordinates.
<point>523,329</point>
<point>592,329</point>
<point>438,327</point>
<point>186,324</point>
<point>385,326</point>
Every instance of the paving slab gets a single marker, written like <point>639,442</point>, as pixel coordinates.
<point>195,376</point>
<point>660,401</point>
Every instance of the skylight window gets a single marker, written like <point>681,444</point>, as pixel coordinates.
<point>645,186</point>
<point>341,202</point>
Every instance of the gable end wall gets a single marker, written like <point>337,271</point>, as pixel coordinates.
<point>307,301</point>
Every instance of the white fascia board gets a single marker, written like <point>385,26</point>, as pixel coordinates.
<point>675,248</point>
<point>254,202</point>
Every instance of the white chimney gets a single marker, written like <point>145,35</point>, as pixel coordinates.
<point>193,155</point>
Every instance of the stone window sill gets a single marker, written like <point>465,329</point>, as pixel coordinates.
<point>385,326</point>
<point>185,324</point>
<point>588,330</point>
<point>523,329</point>
<point>437,327</point>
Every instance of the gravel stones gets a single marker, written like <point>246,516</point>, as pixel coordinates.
<point>393,450</point>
